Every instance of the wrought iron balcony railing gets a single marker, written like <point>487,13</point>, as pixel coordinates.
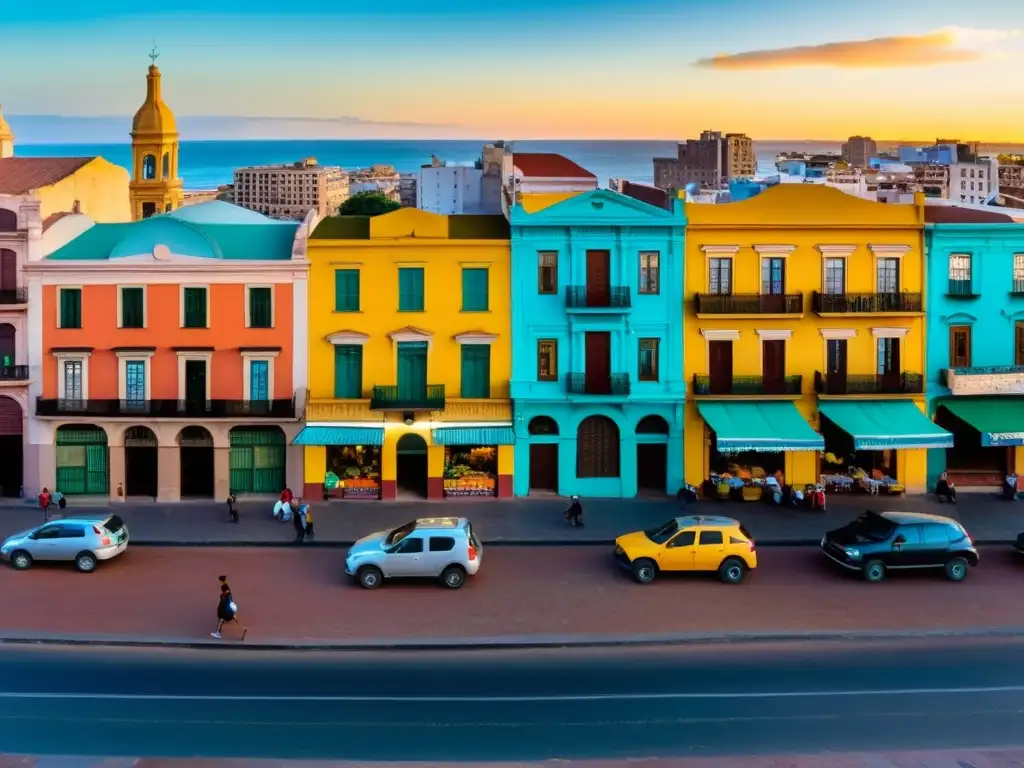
<point>616,384</point>
<point>866,303</point>
<point>14,373</point>
<point>747,385</point>
<point>14,296</point>
<point>168,409</point>
<point>614,297</point>
<point>393,398</point>
<point>749,304</point>
<point>868,384</point>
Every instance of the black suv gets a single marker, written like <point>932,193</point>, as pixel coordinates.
<point>878,541</point>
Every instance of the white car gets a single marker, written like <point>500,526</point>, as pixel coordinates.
<point>82,540</point>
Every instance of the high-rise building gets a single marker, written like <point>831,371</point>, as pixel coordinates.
<point>858,151</point>
<point>155,186</point>
<point>711,161</point>
<point>291,191</point>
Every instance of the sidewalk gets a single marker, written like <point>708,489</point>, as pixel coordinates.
<point>520,521</point>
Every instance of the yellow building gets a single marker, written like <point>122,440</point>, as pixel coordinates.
<point>88,185</point>
<point>804,340</point>
<point>409,357</point>
<point>155,186</point>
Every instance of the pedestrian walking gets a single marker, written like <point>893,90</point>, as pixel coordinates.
<point>307,516</point>
<point>227,611</point>
<point>574,514</point>
<point>298,523</point>
<point>232,511</point>
<point>45,497</point>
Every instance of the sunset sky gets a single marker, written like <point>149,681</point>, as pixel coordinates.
<point>665,69</point>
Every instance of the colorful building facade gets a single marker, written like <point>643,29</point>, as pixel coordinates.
<point>597,380</point>
<point>805,338</point>
<point>409,357</point>
<point>975,373</point>
<point>162,357</point>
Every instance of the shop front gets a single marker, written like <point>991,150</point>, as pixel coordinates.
<point>878,446</point>
<point>342,462</point>
<point>749,446</point>
<point>473,460</point>
<point>988,439</point>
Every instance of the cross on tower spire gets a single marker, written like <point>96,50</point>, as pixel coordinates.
<point>154,54</point>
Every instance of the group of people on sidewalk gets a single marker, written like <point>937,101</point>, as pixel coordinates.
<point>298,511</point>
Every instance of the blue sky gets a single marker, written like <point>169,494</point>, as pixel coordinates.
<point>537,68</point>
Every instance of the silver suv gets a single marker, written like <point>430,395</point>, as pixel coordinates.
<point>82,540</point>
<point>442,548</point>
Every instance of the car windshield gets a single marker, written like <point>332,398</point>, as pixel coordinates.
<point>399,533</point>
<point>662,533</point>
<point>873,526</point>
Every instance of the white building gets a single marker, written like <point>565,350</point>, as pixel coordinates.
<point>974,182</point>
<point>450,189</point>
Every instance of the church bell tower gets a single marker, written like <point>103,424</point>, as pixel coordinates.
<point>155,187</point>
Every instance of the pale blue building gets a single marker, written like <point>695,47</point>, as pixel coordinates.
<point>597,345</point>
<point>975,342</point>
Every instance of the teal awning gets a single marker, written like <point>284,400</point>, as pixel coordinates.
<point>877,425</point>
<point>1000,420</point>
<point>476,436</point>
<point>764,427</point>
<point>329,435</point>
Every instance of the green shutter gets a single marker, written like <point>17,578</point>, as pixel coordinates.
<point>346,290</point>
<point>260,308</point>
<point>348,371</point>
<point>474,290</point>
<point>410,289</point>
<point>70,307</point>
<point>132,310</point>
<point>476,370</point>
<point>412,370</point>
<point>195,307</point>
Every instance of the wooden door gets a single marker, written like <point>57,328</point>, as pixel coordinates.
<point>720,366</point>
<point>412,370</point>
<point>773,366</point>
<point>835,368</point>
<point>195,382</point>
<point>598,278</point>
<point>8,270</point>
<point>544,467</point>
<point>960,346</point>
<point>598,363</point>
<point>889,364</point>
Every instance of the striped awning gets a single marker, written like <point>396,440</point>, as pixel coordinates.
<point>476,436</point>
<point>340,435</point>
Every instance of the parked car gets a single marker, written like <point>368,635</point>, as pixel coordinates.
<point>1019,546</point>
<point>877,542</point>
<point>694,543</point>
<point>82,540</point>
<point>442,548</point>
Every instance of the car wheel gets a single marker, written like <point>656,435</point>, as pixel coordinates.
<point>956,569</point>
<point>732,570</point>
<point>644,571</point>
<point>85,562</point>
<point>874,571</point>
<point>21,560</point>
<point>370,577</point>
<point>453,577</point>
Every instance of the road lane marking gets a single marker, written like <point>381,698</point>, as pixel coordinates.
<point>535,699</point>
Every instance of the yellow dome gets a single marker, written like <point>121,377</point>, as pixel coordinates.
<point>154,117</point>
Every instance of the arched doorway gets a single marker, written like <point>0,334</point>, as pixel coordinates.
<point>8,220</point>
<point>195,450</point>
<point>597,448</point>
<point>8,345</point>
<point>140,462</point>
<point>258,459</point>
<point>83,466</point>
<point>412,465</point>
<point>652,454</point>
<point>543,454</point>
<point>11,446</point>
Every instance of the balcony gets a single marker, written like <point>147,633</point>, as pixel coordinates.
<point>868,384</point>
<point>790,386</point>
<point>614,385</point>
<point>960,289</point>
<point>14,373</point>
<point>867,303</point>
<point>13,296</point>
<point>614,298</point>
<point>749,304</point>
<point>168,409</point>
<point>994,380</point>
<point>390,399</point>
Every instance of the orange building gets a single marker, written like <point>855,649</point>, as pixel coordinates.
<point>168,365</point>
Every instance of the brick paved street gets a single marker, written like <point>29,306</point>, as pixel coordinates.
<point>519,521</point>
<point>296,595</point>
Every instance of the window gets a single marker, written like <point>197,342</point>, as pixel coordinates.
<point>1018,343</point>
<point>960,346</point>
<point>133,308</point>
<point>73,375</point>
<point>547,360</point>
<point>960,274</point>
<point>194,310</point>
<point>348,371</point>
<point>887,279</point>
<point>720,277</point>
<point>935,535</point>
<point>650,272</point>
<point>148,210</point>
<point>648,367</point>
<point>442,543</point>
<point>70,307</point>
<point>888,356</point>
<point>835,277</point>
<point>1018,273</point>
<point>410,289</point>
<point>149,167</point>
<point>547,272</point>
<point>684,539</point>
<point>711,538</point>
<point>410,545</point>
<point>474,290</point>
<point>476,370</point>
<point>259,380</point>
<point>773,276</point>
<point>346,290</point>
<point>135,382</point>
<point>261,307</point>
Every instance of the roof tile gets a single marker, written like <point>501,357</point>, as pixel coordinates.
<point>21,175</point>
<point>545,165</point>
<point>954,214</point>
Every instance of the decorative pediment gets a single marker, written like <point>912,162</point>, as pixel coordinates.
<point>475,337</point>
<point>604,206</point>
<point>347,338</point>
<point>959,318</point>
<point>411,333</point>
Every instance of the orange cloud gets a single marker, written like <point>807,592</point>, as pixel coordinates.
<point>880,52</point>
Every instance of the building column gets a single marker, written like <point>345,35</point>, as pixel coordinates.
<point>293,476</point>
<point>435,472</point>
<point>506,470</point>
<point>388,470</point>
<point>314,468</point>
<point>221,472</point>
<point>168,473</point>
<point>521,475</point>
<point>627,466</point>
<point>674,459</point>
<point>567,485</point>
<point>115,460</point>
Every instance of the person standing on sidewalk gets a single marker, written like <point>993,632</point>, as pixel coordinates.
<point>574,514</point>
<point>307,517</point>
<point>227,611</point>
<point>297,522</point>
<point>232,511</point>
<point>44,501</point>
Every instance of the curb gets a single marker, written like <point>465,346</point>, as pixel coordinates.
<point>509,643</point>
<point>779,543</point>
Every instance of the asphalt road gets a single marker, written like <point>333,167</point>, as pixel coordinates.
<point>513,706</point>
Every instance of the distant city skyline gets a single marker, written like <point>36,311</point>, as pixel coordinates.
<point>655,69</point>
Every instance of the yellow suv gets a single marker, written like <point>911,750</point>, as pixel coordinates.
<point>693,543</point>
